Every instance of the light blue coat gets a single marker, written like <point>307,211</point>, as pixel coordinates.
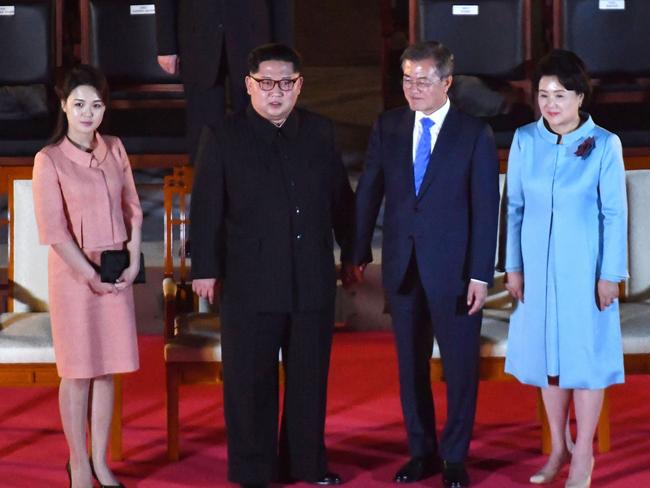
<point>567,228</point>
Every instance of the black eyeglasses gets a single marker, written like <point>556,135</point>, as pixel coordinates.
<point>267,84</point>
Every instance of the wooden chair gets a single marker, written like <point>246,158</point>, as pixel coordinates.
<point>192,338</point>
<point>26,350</point>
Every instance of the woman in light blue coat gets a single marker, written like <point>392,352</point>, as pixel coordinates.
<point>566,254</point>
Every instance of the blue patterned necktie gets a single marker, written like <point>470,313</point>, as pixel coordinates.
<point>422,153</point>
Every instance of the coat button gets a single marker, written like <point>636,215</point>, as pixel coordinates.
<point>298,236</point>
<point>297,210</point>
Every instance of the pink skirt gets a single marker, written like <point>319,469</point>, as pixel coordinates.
<point>94,335</point>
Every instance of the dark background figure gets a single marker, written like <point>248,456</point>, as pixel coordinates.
<point>208,40</point>
<point>437,168</point>
<point>269,189</point>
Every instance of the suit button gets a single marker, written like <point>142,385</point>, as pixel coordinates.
<point>298,236</point>
<point>416,209</point>
<point>297,210</point>
<point>220,26</point>
<point>293,183</point>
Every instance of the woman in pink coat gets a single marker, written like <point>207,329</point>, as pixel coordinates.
<point>86,202</point>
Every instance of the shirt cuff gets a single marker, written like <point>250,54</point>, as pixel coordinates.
<point>478,281</point>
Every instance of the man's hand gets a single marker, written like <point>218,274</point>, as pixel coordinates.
<point>169,63</point>
<point>515,285</point>
<point>476,296</point>
<point>607,293</point>
<point>206,288</point>
<point>351,274</point>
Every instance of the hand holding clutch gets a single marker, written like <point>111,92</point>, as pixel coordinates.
<point>114,265</point>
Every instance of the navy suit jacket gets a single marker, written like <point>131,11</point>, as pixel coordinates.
<point>451,224</point>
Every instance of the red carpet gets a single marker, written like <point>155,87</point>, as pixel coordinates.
<point>365,433</point>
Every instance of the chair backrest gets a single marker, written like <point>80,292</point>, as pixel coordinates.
<point>488,38</point>
<point>638,198</point>
<point>119,37</point>
<point>177,189</point>
<point>612,36</point>
<point>27,258</point>
<point>27,42</point>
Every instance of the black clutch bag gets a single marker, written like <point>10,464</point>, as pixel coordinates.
<point>112,263</point>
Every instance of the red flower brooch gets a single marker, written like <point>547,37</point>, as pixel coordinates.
<point>585,148</point>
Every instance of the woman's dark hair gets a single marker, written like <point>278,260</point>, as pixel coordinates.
<point>273,52</point>
<point>80,75</point>
<point>569,69</point>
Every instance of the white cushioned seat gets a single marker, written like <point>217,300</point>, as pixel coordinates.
<point>26,338</point>
<point>494,335</point>
<point>635,327</point>
<point>199,339</point>
<point>203,324</point>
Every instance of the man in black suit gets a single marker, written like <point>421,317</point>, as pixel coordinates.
<point>209,40</point>
<point>437,169</point>
<point>269,189</point>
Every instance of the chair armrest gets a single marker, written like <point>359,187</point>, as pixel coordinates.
<point>170,289</point>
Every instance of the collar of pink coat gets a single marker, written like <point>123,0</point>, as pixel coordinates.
<point>83,158</point>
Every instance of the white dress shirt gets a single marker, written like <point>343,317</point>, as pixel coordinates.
<point>438,117</point>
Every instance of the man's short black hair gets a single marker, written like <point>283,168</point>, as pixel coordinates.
<point>273,52</point>
<point>568,68</point>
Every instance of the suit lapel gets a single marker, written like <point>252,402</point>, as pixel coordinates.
<point>405,137</point>
<point>439,157</point>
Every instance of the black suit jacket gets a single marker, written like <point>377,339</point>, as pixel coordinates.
<point>451,224</point>
<point>197,29</point>
<point>272,249</point>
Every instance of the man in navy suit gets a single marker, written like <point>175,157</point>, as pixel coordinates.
<point>438,171</point>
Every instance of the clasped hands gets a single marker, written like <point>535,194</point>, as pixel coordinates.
<point>125,280</point>
<point>351,274</point>
<point>606,291</point>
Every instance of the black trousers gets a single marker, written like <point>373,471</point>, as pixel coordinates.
<point>417,318</point>
<point>250,346</point>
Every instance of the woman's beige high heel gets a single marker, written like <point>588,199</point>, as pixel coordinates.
<point>546,476</point>
<point>583,483</point>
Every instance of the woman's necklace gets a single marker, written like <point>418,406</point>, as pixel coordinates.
<point>79,146</point>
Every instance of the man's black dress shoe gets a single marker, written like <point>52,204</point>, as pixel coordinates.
<point>416,469</point>
<point>454,475</point>
<point>253,485</point>
<point>328,479</point>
